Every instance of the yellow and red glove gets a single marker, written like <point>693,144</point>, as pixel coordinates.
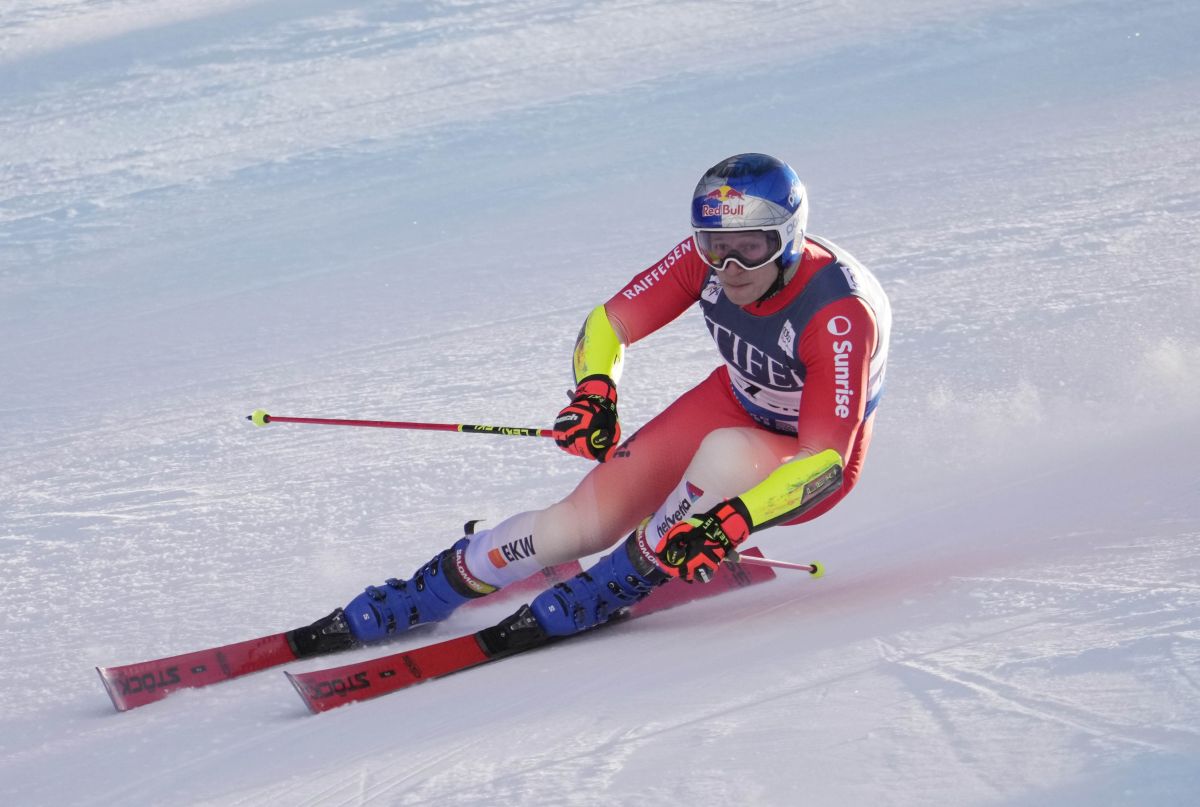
<point>588,426</point>
<point>693,548</point>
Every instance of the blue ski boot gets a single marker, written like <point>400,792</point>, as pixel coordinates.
<point>619,579</point>
<point>430,595</point>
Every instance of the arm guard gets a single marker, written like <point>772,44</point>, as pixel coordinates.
<point>598,349</point>
<point>792,488</point>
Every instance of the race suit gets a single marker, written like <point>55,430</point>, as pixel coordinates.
<point>803,372</point>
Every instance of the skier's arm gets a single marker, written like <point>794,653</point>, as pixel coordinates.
<point>693,548</point>
<point>589,427</point>
<point>598,349</point>
<point>657,294</point>
<point>654,297</point>
<point>836,349</point>
<point>791,489</point>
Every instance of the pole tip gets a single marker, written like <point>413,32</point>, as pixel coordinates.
<point>259,417</point>
<point>818,569</point>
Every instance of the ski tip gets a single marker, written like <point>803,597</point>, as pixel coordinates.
<point>300,690</point>
<point>818,569</point>
<point>259,417</point>
<point>117,702</point>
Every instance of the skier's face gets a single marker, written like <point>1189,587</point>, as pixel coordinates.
<point>743,286</point>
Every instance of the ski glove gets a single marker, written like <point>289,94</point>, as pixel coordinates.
<point>588,426</point>
<point>693,548</point>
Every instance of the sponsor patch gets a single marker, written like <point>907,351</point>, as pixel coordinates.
<point>471,581</point>
<point>787,337</point>
<point>851,279</point>
<point>838,326</point>
<point>513,551</point>
<point>843,386</point>
<point>657,272</point>
<point>691,494</point>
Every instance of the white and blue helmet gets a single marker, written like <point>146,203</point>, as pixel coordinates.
<point>750,208</point>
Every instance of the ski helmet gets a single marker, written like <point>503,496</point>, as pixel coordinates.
<point>751,208</point>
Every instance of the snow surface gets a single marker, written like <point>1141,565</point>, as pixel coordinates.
<point>405,209</point>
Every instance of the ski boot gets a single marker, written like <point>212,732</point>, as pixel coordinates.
<point>619,579</point>
<point>430,595</point>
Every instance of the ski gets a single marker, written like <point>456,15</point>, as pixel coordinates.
<point>326,689</point>
<point>133,685</point>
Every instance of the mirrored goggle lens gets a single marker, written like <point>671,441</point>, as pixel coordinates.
<point>751,248</point>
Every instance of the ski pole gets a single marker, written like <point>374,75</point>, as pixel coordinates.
<point>260,418</point>
<point>814,568</point>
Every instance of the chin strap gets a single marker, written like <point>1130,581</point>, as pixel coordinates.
<point>782,278</point>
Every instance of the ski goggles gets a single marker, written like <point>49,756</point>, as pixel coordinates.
<point>753,249</point>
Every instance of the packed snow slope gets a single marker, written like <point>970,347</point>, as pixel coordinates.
<point>405,209</point>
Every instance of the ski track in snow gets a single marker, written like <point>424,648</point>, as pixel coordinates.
<point>404,210</point>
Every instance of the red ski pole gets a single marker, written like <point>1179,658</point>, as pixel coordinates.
<point>260,418</point>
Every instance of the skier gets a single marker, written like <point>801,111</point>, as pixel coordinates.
<point>777,434</point>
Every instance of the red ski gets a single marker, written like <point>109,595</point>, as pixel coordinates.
<point>327,689</point>
<point>134,685</point>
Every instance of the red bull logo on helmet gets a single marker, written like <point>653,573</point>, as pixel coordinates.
<point>724,201</point>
